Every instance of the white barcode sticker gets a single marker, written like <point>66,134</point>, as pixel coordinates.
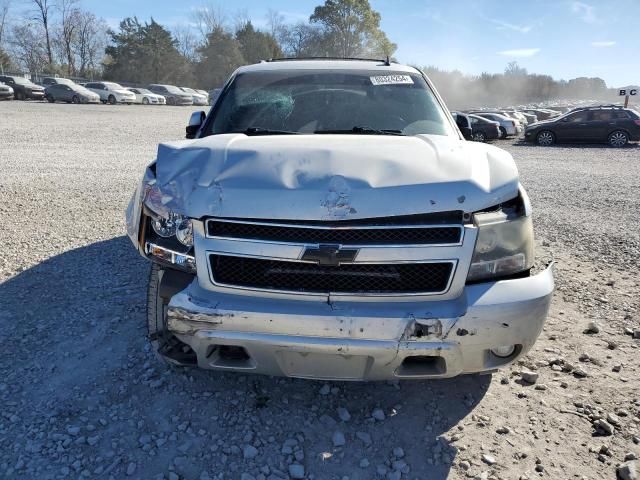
<point>391,80</point>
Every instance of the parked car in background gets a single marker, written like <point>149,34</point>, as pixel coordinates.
<point>484,130</point>
<point>147,97</point>
<point>23,89</point>
<point>616,126</point>
<point>205,94</point>
<point>198,98</point>
<point>46,81</point>
<point>111,92</point>
<point>70,93</point>
<point>173,94</point>
<point>509,127</point>
<point>531,118</point>
<point>6,92</point>
<point>542,114</point>
<point>517,116</point>
<point>213,95</point>
<point>463,123</point>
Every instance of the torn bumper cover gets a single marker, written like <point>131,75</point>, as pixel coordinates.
<point>363,341</point>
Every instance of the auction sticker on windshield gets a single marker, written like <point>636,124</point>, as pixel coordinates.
<point>392,80</point>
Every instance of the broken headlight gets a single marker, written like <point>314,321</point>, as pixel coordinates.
<point>504,245</point>
<point>176,225</point>
<point>169,235</point>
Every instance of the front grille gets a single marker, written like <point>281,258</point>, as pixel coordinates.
<point>428,278</point>
<point>316,234</point>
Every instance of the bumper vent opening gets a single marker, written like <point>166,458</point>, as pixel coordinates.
<point>422,365</point>
<point>229,356</point>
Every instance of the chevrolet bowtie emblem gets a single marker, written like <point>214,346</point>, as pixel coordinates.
<point>331,255</point>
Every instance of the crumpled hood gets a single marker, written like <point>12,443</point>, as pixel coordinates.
<point>324,177</point>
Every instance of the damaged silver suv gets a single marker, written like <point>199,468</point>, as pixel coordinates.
<point>327,220</point>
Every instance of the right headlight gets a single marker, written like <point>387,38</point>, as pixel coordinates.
<point>504,245</point>
<point>170,237</point>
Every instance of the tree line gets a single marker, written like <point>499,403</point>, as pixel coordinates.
<point>54,36</point>
<point>205,56</point>
<point>60,37</point>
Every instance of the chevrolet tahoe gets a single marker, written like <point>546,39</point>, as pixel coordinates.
<point>327,220</point>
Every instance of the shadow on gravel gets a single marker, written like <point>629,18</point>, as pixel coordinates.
<point>69,307</point>
<point>72,331</point>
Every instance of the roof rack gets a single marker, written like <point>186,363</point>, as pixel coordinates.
<point>598,106</point>
<point>385,61</point>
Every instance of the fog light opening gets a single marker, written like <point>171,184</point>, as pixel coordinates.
<point>504,351</point>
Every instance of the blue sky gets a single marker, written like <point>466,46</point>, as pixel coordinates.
<point>562,38</point>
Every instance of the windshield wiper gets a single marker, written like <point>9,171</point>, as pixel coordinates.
<point>265,131</point>
<point>363,131</point>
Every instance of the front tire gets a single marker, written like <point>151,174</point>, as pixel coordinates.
<point>112,100</point>
<point>478,137</point>
<point>545,138</point>
<point>50,99</point>
<point>145,101</point>
<point>171,101</point>
<point>166,347</point>
<point>75,99</point>
<point>20,96</point>
<point>618,139</point>
<point>503,133</point>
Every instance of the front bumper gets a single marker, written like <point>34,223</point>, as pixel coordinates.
<point>363,341</point>
<point>34,94</point>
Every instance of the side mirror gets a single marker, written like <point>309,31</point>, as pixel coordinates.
<point>195,122</point>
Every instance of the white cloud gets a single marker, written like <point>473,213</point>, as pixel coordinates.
<point>510,26</point>
<point>586,12</point>
<point>603,44</point>
<point>520,52</point>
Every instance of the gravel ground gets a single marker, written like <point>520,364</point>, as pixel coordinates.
<point>82,396</point>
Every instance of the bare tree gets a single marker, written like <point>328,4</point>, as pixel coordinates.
<point>275,21</point>
<point>68,30</point>
<point>26,47</point>
<point>241,19</point>
<point>89,42</point>
<point>4,15</point>
<point>42,14</point>
<point>301,40</point>
<point>208,19</point>
<point>187,42</point>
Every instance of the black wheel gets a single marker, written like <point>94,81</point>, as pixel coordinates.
<point>165,345</point>
<point>545,138</point>
<point>618,139</point>
<point>75,99</point>
<point>50,98</point>
<point>171,101</point>
<point>112,100</point>
<point>478,137</point>
<point>503,132</point>
<point>20,95</point>
<point>145,101</point>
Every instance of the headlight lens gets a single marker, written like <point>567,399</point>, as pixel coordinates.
<point>166,226</point>
<point>504,246</point>
<point>184,232</point>
<point>176,225</point>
